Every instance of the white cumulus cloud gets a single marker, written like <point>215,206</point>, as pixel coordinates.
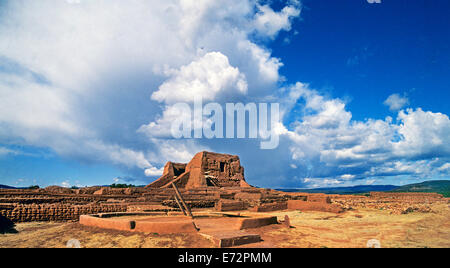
<point>206,77</point>
<point>396,102</point>
<point>270,23</point>
<point>329,144</point>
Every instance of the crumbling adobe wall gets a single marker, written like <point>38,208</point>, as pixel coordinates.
<point>85,195</point>
<point>212,169</point>
<point>230,205</point>
<point>57,190</point>
<point>270,207</point>
<point>170,173</point>
<point>63,199</point>
<point>322,198</point>
<point>55,212</point>
<point>149,208</point>
<point>311,197</point>
<point>313,206</point>
<point>205,169</point>
<point>44,200</point>
<point>265,200</point>
<point>87,190</point>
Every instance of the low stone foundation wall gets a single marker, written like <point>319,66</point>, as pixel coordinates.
<point>159,224</point>
<point>191,204</point>
<point>55,212</point>
<point>230,205</point>
<point>313,206</point>
<point>256,222</point>
<point>169,224</point>
<point>321,198</point>
<point>270,207</point>
<point>247,196</point>
<point>149,208</point>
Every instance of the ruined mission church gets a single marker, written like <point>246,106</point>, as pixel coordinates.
<point>205,169</point>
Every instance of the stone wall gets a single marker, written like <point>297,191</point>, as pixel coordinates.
<point>55,212</point>
<point>270,207</point>
<point>313,206</point>
<point>56,204</point>
<point>205,169</point>
<point>230,205</point>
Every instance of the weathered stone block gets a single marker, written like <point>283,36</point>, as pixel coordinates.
<point>270,207</point>
<point>230,205</point>
<point>313,206</point>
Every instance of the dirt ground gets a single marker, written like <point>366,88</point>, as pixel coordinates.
<point>309,229</point>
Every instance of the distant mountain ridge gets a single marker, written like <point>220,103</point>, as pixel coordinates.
<point>359,189</point>
<point>440,187</point>
<point>8,187</point>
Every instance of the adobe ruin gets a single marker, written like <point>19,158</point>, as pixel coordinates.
<point>206,169</point>
<point>211,184</point>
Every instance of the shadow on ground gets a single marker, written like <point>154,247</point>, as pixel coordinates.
<point>7,226</point>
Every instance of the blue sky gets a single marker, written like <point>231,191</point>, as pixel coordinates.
<point>86,88</point>
<point>366,52</point>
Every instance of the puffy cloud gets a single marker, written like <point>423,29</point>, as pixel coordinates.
<point>161,127</point>
<point>445,167</point>
<point>331,146</point>
<point>270,23</point>
<point>396,102</point>
<point>266,66</point>
<point>180,151</point>
<point>348,177</point>
<point>153,172</point>
<point>206,78</point>
<point>423,134</point>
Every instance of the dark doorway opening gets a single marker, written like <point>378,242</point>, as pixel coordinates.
<point>178,171</point>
